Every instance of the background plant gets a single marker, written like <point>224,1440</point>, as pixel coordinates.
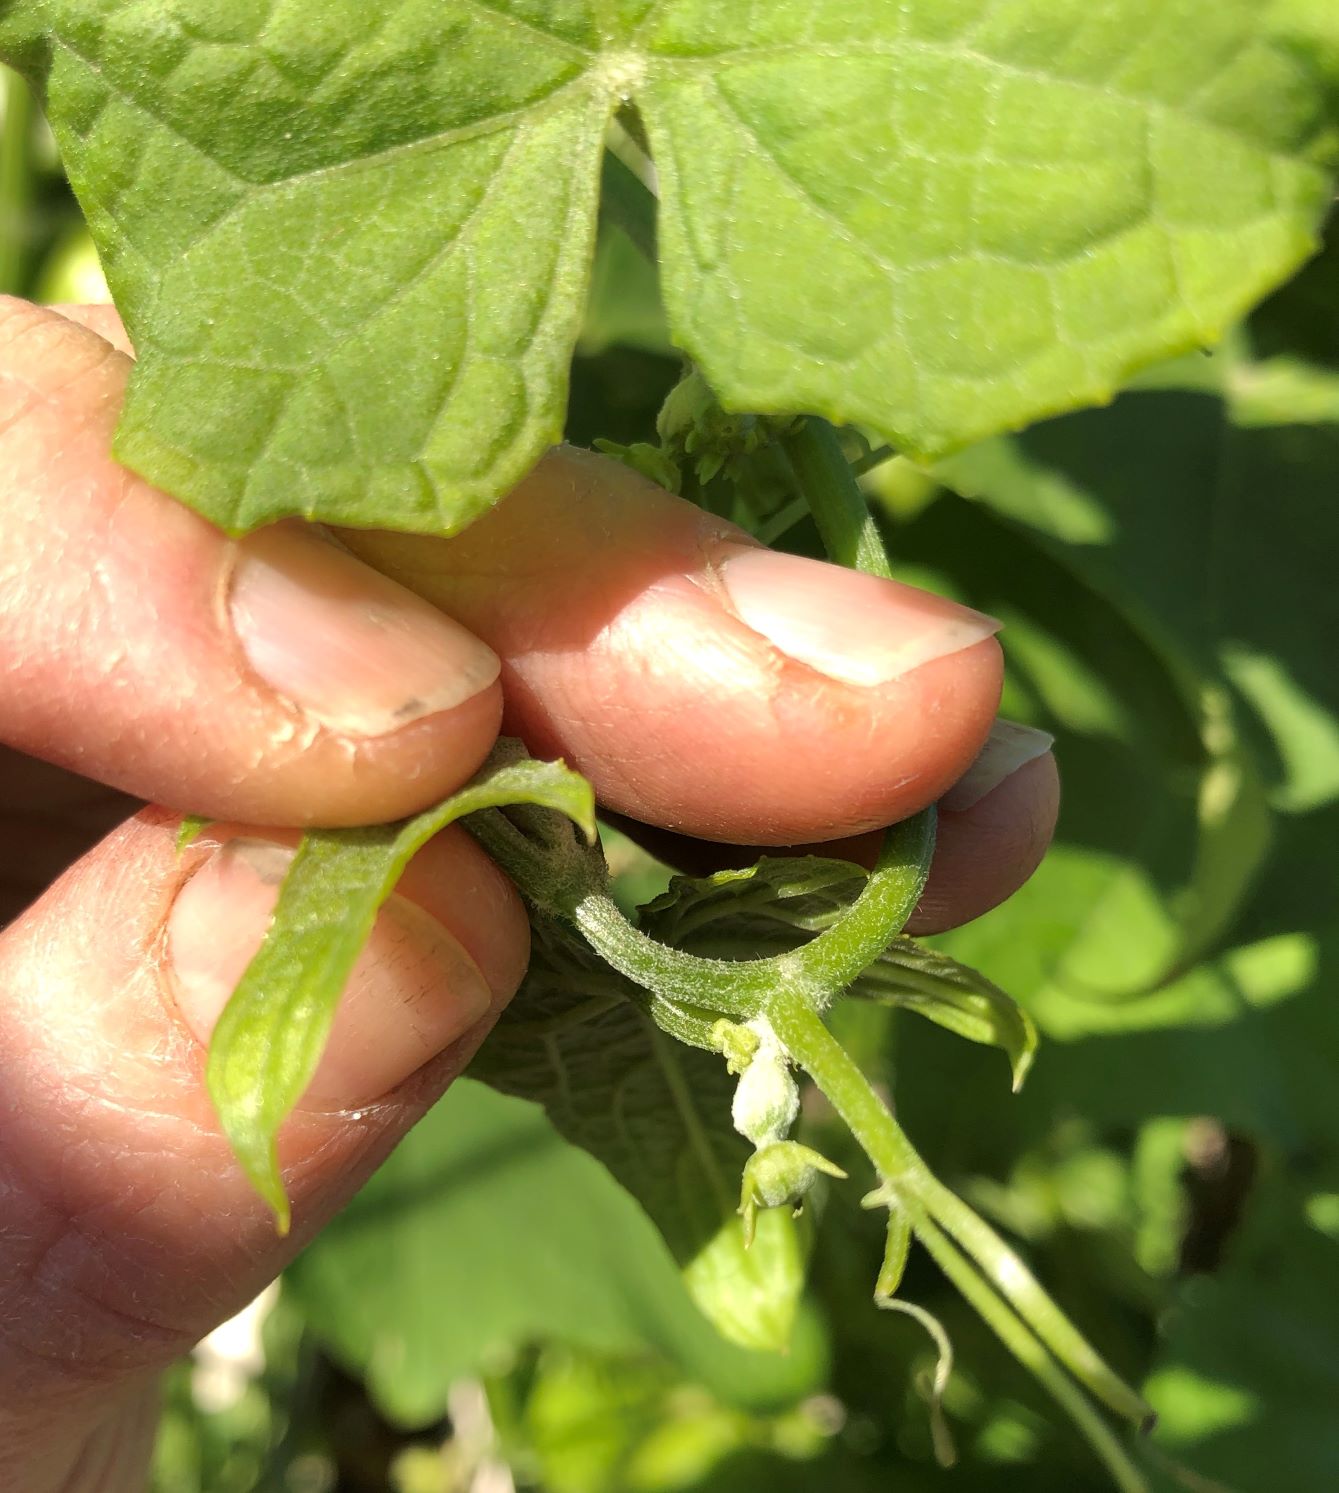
<point>1152,171</point>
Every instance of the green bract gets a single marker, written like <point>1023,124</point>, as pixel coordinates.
<point>351,242</point>
<point>270,1036</point>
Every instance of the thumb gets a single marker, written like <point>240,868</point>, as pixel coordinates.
<point>127,1230</point>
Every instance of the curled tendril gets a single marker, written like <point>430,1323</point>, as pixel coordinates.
<point>932,1387</point>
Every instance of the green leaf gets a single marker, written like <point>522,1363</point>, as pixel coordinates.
<point>1145,503</point>
<point>1013,206</point>
<point>953,996</point>
<point>1246,1376</point>
<point>577,1039</point>
<point>270,1036</point>
<point>503,1235</point>
<point>779,904</point>
<point>352,248</point>
<point>190,830</point>
<point>350,245</point>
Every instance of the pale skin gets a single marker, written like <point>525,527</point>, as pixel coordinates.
<point>145,658</point>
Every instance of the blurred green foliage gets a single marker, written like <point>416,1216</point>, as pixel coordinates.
<point>494,1307</point>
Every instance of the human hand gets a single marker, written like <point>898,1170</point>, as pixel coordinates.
<point>702,685</point>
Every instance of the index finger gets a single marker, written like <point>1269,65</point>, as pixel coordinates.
<point>703,682</point>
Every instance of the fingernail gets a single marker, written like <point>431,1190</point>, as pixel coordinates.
<point>413,991</point>
<point>1008,747</point>
<point>348,646</point>
<point>858,628</point>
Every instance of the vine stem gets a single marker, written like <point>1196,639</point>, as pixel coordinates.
<point>16,110</point>
<point>792,990</point>
<point>850,535</point>
<point>1014,1333</point>
<point>915,1187</point>
<point>820,969</point>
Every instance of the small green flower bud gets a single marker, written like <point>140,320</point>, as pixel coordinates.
<point>692,424</point>
<point>779,1174</point>
<point>737,1042</point>
<point>650,461</point>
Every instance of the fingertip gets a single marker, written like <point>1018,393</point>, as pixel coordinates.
<point>985,852</point>
<point>100,317</point>
<point>454,880</point>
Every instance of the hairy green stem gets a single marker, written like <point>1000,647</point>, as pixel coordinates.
<point>817,971</point>
<point>571,884</point>
<point>850,535</point>
<point>730,987</point>
<point>915,1187</point>
<point>839,955</point>
<point>1018,1285</point>
<point>837,1074</point>
<point>16,110</point>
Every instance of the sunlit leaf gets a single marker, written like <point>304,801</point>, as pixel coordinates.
<point>352,247</point>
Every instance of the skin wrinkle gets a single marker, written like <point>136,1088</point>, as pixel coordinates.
<point>62,1196</point>
<point>118,1450</point>
<point>48,1273</point>
<point>70,1230</point>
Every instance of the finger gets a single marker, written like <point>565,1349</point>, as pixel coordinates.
<point>579,494</point>
<point>274,680</point>
<point>99,317</point>
<point>129,1230</point>
<point>701,682</point>
<point>985,852</point>
<point>985,848</point>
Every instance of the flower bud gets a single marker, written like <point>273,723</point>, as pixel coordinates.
<point>736,1042</point>
<point>779,1174</point>
<point>767,1098</point>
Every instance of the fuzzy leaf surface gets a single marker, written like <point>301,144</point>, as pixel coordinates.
<point>350,242</point>
<point>352,247</point>
<point>1014,205</point>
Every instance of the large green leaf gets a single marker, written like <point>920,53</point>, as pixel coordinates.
<point>484,1232</point>
<point>351,243</point>
<point>1013,205</point>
